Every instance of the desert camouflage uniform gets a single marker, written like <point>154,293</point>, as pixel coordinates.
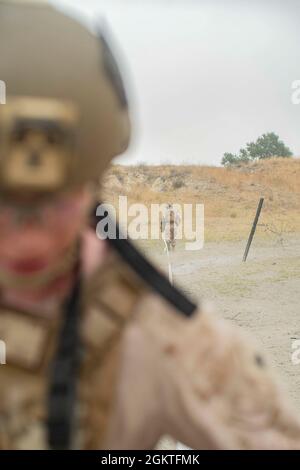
<point>169,224</point>
<point>146,372</point>
<point>151,363</point>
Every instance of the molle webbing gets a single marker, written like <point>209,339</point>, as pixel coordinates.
<point>64,376</point>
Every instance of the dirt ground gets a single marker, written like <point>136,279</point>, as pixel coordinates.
<point>261,295</point>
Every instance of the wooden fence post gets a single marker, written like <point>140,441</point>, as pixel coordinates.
<point>259,207</point>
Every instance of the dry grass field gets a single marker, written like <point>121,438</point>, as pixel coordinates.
<point>230,195</point>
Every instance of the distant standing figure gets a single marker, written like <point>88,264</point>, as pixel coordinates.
<point>168,226</point>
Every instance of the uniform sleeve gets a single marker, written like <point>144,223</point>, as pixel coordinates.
<point>199,380</point>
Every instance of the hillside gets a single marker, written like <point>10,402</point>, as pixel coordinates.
<point>229,195</point>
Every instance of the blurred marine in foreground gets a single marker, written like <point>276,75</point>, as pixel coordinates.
<point>101,351</point>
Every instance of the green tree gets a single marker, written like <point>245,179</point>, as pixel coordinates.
<point>244,156</point>
<point>266,146</point>
<point>229,159</point>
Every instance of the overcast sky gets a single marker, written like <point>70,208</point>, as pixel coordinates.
<point>205,76</point>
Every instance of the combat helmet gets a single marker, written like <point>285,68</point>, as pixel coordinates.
<point>65,114</point>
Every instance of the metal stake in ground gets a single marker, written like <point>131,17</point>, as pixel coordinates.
<point>169,263</point>
<point>259,207</point>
